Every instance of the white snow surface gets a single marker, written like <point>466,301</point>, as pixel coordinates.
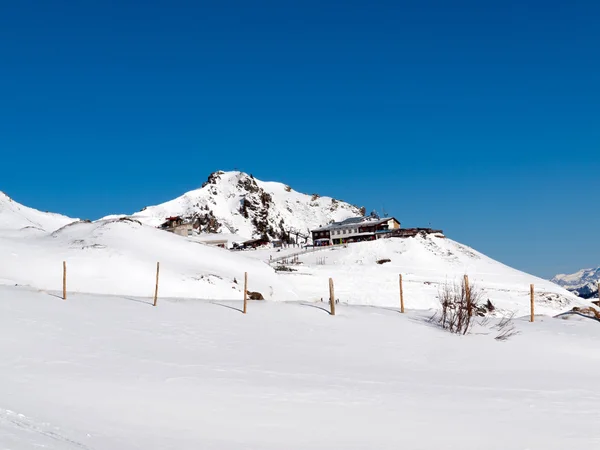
<point>112,372</point>
<point>107,370</point>
<point>224,194</point>
<point>427,264</point>
<point>120,256</point>
<point>20,220</point>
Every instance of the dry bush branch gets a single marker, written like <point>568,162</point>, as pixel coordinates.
<point>458,302</point>
<point>506,328</point>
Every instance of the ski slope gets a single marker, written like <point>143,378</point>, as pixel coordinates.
<point>113,372</point>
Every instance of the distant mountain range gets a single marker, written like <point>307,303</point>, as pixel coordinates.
<point>583,283</point>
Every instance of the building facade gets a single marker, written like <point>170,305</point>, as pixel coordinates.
<point>178,226</point>
<point>355,229</point>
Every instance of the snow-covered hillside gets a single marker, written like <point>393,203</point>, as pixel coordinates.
<point>119,257</point>
<point>109,372</point>
<point>427,263</point>
<point>583,283</point>
<point>17,219</point>
<point>237,203</point>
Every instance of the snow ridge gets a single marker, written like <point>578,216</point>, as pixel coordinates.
<point>16,218</point>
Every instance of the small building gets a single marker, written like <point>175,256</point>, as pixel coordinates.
<point>221,243</point>
<point>178,225</point>
<point>321,236</point>
<point>254,243</point>
<point>221,240</point>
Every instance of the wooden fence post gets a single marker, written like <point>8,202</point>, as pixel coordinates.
<point>156,288</point>
<point>468,296</point>
<point>64,280</point>
<point>401,296</point>
<point>532,296</point>
<point>245,292</point>
<point>331,297</point>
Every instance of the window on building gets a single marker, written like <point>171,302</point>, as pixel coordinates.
<point>344,231</point>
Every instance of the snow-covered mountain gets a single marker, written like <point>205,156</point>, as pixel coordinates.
<point>19,219</point>
<point>583,283</point>
<point>238,203</point>
<point>118,256</point>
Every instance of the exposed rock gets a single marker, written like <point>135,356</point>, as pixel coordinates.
<point>213,178</point>
<point>589,311</point>
<point>485,308</point>
<point>255,296</point>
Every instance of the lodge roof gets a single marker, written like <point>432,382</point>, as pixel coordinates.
<point>358,221</point>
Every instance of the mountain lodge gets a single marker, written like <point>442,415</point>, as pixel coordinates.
<point>354,229</point>
<point>177,225</point>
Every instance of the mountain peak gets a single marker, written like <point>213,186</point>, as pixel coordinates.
<point>238,203</point>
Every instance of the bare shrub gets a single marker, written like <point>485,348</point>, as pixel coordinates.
<point>484,321</point>
<point>506,328</point>
<point>458,303</point>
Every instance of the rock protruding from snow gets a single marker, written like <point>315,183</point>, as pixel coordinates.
<point>238,203</point>
<point>583,283</point>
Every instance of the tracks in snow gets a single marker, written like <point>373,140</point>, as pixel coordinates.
<point>20,429</point>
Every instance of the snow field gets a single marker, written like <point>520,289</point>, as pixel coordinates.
<point>119,258</point>
<point>426,263</point>
<point>105,372</point>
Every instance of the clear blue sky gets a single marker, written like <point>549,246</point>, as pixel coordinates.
<point>478,117</point>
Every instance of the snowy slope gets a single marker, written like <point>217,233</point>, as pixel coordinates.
<point>237,203</point>
<point>102,372</point>
<point>583,283</point>
<point>120,256</point>
<point>17,219</point>
<point>427,263</point>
